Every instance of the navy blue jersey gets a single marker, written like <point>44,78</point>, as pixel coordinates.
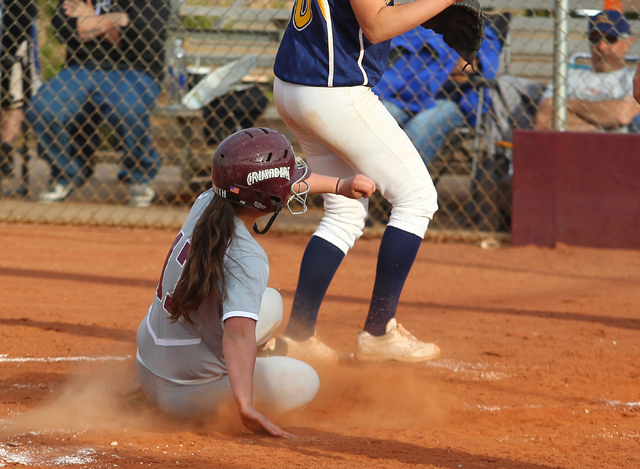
<point>324,46</point>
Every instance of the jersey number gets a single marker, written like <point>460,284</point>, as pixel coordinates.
<point>182,257</point>
<point>302,14</point>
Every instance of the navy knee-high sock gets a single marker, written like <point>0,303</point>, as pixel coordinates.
<point>319,264</point>
<point>398,250</point>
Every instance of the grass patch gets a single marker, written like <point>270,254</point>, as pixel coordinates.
<point>199,22</point>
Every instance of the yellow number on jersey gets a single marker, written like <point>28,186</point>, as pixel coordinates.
<point>302,14</point>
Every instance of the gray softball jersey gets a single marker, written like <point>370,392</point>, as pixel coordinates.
<point>186,353</point>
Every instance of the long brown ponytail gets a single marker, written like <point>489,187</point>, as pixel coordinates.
<point>203,273</point>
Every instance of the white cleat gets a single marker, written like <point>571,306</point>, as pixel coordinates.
<point>313,350</point>
<point>396,344</point>
<point>141,195</point>
<point>56,193</point>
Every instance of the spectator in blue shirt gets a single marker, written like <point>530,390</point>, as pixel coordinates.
<point>426,90</point>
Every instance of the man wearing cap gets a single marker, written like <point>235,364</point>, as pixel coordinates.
<point>599,98</point>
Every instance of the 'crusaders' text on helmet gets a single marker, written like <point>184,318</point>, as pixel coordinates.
<point>257,167</point>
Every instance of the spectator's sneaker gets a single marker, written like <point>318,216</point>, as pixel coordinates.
<point>56,193</point>
<point>396,344</point>
<point>313,350</point>
<point>6,160</point>
<point>141,195</point>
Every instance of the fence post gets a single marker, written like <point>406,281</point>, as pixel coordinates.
<point>560,66</point>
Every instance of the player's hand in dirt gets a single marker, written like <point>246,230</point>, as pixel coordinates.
<point>356,187</point>
<point>258,423</point>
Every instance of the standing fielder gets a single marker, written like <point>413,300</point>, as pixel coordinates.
<point>19,73</point>
<point>197,345</point>
<point>332,53</point>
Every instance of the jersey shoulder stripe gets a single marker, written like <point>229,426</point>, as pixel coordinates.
<point>324,45</point>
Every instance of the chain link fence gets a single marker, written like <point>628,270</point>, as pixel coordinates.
<point>94,130</point>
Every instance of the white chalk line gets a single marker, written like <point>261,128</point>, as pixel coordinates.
<point>614,403</point>
<point>495,408</point>
<point>475,371</point>
<point>6,359</point>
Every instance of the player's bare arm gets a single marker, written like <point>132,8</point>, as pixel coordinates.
<point>380,22</point>
<point>239,345</point>
<point>354,187</point>
<point>605,114</point>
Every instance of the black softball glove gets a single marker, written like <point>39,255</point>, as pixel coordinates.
<point>462,28</point>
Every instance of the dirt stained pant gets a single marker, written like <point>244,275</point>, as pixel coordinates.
<point>280,384</point>
<point>344,131</point>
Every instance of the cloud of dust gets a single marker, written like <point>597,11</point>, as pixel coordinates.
<point>100,399</point>
<point>377,396</point>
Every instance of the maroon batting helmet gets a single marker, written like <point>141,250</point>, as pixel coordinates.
<point>257,168</point>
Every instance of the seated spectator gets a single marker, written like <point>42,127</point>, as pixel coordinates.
<point>115,59</point>
<point>19,75</point>
<point>600,98</point>
<point>426,89</point>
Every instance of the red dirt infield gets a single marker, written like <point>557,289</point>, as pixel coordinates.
<point>540,363</point>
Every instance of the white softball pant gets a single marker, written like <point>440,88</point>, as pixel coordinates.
<point>280,384</point>
<point>345,131</point>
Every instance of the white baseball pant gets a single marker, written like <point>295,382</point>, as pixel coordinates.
<point>344,131</point>
<point>280,384</point>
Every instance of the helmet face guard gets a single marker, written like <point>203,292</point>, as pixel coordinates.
<point>257,168</point>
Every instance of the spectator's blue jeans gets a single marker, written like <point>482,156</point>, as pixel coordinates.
<point>634,125</point>
<point>428,129</point>
<point>69,108</point>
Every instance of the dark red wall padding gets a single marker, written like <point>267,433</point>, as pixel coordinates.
<point>576,188</point>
